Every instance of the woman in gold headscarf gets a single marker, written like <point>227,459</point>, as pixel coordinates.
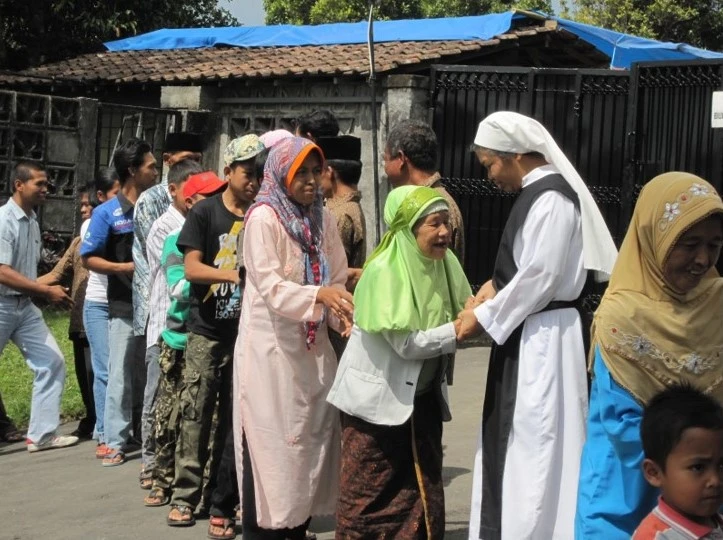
<point>658,324</point>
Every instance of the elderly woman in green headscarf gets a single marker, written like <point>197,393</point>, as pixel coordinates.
<point>390,383</point>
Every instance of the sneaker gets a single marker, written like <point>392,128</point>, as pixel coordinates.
<point>60,441</point>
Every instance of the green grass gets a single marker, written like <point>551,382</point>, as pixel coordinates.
<point>16,379</point>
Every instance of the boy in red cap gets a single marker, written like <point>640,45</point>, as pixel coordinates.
<point>172,340</point>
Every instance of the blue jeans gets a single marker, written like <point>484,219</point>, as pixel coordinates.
<point>126,380</point>
<point>153,372</point>
<point>22,322</point>
<point>95,321</point>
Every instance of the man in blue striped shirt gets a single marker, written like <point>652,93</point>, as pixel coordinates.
<point>107,249</point>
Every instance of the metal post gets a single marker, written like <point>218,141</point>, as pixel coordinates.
<point>375,135</point>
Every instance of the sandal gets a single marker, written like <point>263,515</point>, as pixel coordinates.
<point>226,524</point>
<point>102,451</point>
<point>114,458</point>
<point>12,435</point>
<point>146,479</point>
<point>184,512</point>
<point>157,497</point>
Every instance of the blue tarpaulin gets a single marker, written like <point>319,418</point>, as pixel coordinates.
<point>623,49</point>
<point>286,35</point>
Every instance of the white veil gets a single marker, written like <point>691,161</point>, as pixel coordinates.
<point>512,132</point>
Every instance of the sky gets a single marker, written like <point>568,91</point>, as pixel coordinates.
<point>248,12</point>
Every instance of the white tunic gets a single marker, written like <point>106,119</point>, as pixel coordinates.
<point>539,486</point>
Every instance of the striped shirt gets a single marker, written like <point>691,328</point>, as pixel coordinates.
<point>151,205</point>
<point>19,243</point>
<point>160,230</point>
<point>666,523</point>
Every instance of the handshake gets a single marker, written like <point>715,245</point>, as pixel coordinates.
<point>466,325</point>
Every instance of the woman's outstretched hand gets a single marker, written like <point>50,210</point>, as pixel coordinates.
<point>346,326</point>
<point>338,302</point>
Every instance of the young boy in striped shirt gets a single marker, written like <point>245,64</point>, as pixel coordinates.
<point>682,435</point>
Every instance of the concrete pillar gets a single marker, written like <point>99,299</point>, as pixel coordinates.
<point>407,98</point>
<point>404,97</point>
<point>196,104</point>
<point>193,98</point>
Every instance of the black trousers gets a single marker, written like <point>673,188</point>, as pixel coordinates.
<point>225,494</point>
<point>84,374</point>
<point>6,424</point>
<point>251,529</point>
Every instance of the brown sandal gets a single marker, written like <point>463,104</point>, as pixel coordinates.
<point>185,513</point>
<point>157,497</point>
<point>228,525</point>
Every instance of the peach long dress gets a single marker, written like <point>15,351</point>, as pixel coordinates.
<point>280,387</point>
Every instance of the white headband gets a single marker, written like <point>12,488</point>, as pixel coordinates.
<point>437,206</point>
<point>512,132</point>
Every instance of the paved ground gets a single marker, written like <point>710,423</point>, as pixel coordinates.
<point>66,494</point>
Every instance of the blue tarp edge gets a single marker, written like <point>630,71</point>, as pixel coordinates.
<point>623,49</point>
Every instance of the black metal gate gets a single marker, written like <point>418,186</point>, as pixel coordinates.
<point>670,125</point>
<point>118,123</point>
<point>618,128</point>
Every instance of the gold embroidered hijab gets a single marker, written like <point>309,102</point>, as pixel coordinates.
<point>649,335</point>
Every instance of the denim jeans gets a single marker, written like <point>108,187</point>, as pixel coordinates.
<point>126,380</point>
<point>95,321</point>
<point>22,322</point>
<point>153,372</point>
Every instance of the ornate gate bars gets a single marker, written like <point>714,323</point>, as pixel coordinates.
<point>618,128</point>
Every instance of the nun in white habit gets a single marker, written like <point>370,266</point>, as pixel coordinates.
<point>533,422</point>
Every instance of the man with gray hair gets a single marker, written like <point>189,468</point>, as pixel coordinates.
<point>535,408</point>
<point>410,159</point>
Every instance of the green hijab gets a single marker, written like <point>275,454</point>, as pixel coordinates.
<point>402,289</point>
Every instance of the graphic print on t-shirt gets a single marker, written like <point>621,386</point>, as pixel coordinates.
<point>226,295</point>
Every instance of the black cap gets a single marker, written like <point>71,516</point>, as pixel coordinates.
<point>183,142</point>
<point>343,147</point>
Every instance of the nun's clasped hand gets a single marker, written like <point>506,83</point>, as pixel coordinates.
<point>467,326</point>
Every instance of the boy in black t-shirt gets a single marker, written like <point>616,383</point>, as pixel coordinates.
<point>208,240</point>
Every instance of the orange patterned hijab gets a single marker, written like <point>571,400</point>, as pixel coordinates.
<point>649,335</point>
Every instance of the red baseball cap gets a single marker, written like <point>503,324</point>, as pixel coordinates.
<point>205,183</point>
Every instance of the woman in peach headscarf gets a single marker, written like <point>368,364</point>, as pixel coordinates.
<point>658,324</point>
<point>287,436</point>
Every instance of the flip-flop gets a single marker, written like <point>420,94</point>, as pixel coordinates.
<point>185,511</point>
<point>157,493</point>
<point>145,478</point>
<point>223,523</point>
<point>114,458</point>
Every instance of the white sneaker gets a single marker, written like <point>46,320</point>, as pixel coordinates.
<point>61,441</point>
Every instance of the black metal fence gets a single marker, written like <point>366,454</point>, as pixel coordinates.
<point>118,123</point>
<point>619,128</point>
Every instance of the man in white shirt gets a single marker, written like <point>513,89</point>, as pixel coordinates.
<point>20,320</point>
<point>172,219</point>
<point>535,409</point>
